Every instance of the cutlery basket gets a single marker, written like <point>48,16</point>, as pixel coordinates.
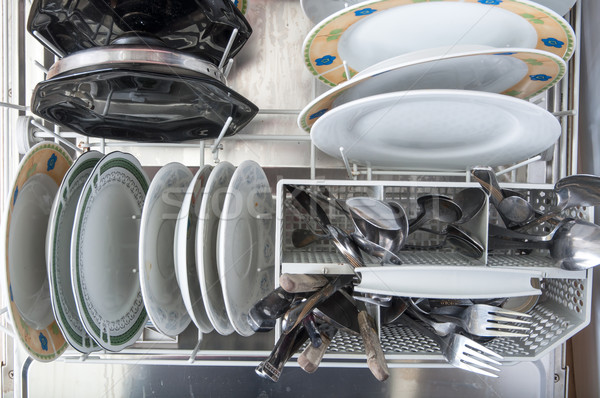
<point>561,299</point>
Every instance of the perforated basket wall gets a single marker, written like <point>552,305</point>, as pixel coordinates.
<point>561,311</point>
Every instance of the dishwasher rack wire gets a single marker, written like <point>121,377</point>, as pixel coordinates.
<point>270,72</point>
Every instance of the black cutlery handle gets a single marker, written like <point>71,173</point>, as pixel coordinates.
<point>263,316</point>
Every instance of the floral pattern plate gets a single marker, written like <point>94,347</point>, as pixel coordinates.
<point>245,243</point>
<point>517,72</point>
<point>39,175</point>
<point>160,290</point>
<point>58,252</point>
<point>104,252</point>
<point>206,246</point>
<point>184,247</point>
<point>436,130</point>
<point>367,33</point>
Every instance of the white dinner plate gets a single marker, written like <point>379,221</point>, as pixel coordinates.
<point>24,224</point>
<point>436,130</point>
<point>206,246</point>
<point>246,243</point>
<point>184,247</point>
<point>518,72</point>
<point>58,252</point>
<point>160,290</point>
<point>370,32</point>
<point>104,251</point>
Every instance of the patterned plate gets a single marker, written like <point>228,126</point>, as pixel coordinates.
<point>367,33</point>
<point>58,254</point>
<point>25,222</point>
<point>518,72</point>
<point>104,252</point>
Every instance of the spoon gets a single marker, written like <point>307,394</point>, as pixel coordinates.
<point>515,210</point>
<point>574,244</point>
<point>435,207</point>
<point>470,201</point>
<point>571,191</point>
<point>375,213</point>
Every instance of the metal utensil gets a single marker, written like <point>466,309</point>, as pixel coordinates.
<point>286,346</point>
<point>375,213</point>
<point>571,191</point>
<point>471,201</point>
<point>460,351</point>
<point>574,244</point>
<point>263,315</point>
<point>485,320</point>
<point>435,207</point>
<point>515,210</point>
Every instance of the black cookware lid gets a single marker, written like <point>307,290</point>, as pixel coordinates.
<point>199,27</point>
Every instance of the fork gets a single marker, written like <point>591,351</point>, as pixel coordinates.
<point>461,351</point>
<point>485,320</point>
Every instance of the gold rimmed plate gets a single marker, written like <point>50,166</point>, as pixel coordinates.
<point>373,31</point>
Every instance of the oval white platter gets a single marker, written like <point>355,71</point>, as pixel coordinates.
<point>206,246</point>
<point>24,224</point>
<point>58,252</point>
<point>518,72</point>
<point>104,252</point>
<point>367,33</point>
<point>246,243</point>
<point>184,247</point>
<point>160,290</point>
<point>436,130</point>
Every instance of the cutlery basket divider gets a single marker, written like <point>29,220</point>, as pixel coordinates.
<point>563,307</point>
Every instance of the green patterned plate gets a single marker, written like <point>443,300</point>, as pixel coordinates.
<point>25,222</point>
<point>370,32</point>
<point>104,252</point>
<point>58,252</point>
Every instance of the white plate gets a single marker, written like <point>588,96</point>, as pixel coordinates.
<point>160,290</point>
<point>24,224</point>
<point>246,243</point>
<point>517,72</point>
<point>318,10</point>
<point>369,32</point>
<point>104,252</point>
<point>184,247</point>
<point>436,130</point>
<point>58,252</point>
<point>206,246</point>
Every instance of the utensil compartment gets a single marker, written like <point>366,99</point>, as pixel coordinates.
<point>560,298</point>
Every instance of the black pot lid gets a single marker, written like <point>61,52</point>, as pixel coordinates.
<point>198,27</point>
<point>156,98</point>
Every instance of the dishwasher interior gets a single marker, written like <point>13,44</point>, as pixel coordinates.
<point>269,71</point>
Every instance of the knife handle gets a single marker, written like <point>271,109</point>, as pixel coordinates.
<point>301,283</point>
<point>311,357</point>
<point>263,316</point>
<point>375,357</point>
<point>285,347</point>
<point>296,314</point>
<point>313,333</point>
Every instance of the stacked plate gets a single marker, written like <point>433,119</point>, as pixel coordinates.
<point>141,70</point>
<point>118,248</point>
<point>435,85</point>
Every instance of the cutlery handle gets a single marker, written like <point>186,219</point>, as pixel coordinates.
<point>295,315</point>
<point>311,357</point>
<point>263,316</point>
<point>375,357</point>
<point>311,328</point>
<point>285,347</point>
<point>301,283</point>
